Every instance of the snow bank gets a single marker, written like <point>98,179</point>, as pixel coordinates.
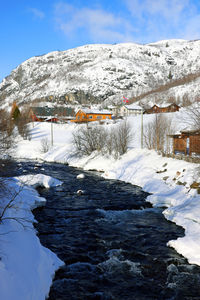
<point>26,267</point>
<point>39,180</point>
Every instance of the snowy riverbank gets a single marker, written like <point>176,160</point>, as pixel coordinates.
<point>168,180</point>
<point>26,267</point>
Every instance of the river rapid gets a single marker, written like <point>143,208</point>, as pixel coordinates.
<point>112,241</point>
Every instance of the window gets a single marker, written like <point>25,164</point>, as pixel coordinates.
<point>90,117</point>
<point>99,117</point>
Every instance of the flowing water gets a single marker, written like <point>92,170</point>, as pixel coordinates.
<point>112,241</point>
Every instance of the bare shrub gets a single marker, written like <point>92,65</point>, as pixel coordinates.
<point>45,145</point>
<point>95,138</point>
<point>89,139</point>
<point>121,138</point>
<point>155,133</point>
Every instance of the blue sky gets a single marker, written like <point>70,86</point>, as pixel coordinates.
<point>35,27</point>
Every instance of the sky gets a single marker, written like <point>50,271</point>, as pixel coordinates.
<point>34,27</point>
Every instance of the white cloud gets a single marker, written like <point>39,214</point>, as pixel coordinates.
<point>165,18</point>
<point>168,9</point>
<point>99,25</point>
<point>141,21</point>
<point>37,13</point>
<point>192,28</point>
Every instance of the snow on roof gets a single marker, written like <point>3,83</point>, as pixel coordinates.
<point>96,111</point>
<point>162,105</point>
<point>133,106</point>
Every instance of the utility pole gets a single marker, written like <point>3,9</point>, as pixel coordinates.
<point>51,133</point>
<point>142,128</point>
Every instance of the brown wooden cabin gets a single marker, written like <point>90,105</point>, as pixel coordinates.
<point>87,115</point>
<point>172,108</point>
<point>187,142</point>
<point>156,109</point>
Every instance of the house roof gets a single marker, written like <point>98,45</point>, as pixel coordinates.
<point>191,132</point>
<point>133,107</point>
<point>186,133</point>
<point>96,111</point>
<point>52,111</point>
<point>165,105</point>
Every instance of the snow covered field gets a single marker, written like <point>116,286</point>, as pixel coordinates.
<point>168,180</point>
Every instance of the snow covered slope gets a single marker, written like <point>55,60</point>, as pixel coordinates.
<point>97,73</point>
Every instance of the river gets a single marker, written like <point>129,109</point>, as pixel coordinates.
<point>112,241</point>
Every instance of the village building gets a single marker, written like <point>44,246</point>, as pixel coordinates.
<point>187,142</point>
<point>89,115</point>
<point>115,109</point>
<point>162,109</point>
<point>51,114</point>
<point>130,110</point>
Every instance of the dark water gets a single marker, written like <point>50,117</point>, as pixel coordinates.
<point>113,243</point>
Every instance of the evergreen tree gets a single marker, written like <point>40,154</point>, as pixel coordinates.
<point>15,112</point>
<point>170,76</point>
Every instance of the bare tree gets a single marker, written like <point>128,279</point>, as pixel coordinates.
<point>110,141</point>
<point>194,119</point>
<point>122,137</point>
<point>22,124</point>
<point>8,200</point>
<point>149,136</point>
<point>156,131</point>
<point>6,129</point>
<point>194,116</point>
<point>186,101</point>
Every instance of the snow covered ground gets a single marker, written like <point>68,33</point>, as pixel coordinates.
<point>26,267</point>
<point>168,180</point>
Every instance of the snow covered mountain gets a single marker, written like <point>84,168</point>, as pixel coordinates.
<point>105,73</point>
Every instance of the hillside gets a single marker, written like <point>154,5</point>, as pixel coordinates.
<point>105,73</point>
<point>168,91</point>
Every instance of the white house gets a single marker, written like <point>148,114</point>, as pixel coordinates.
<point>129,110</point>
